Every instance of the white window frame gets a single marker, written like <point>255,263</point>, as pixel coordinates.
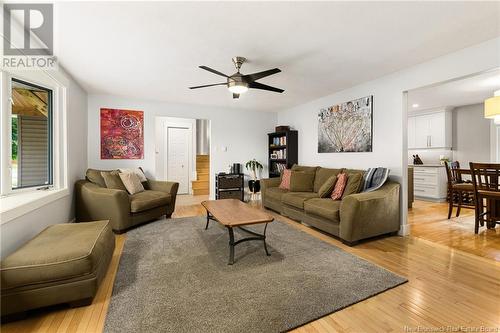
<point>16,198</point>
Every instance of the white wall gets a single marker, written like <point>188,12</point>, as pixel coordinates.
<point>244,133</point>
<point>389,115</point>
<point>494,142</point>
<point>17,231</point>
<point>471,135</point>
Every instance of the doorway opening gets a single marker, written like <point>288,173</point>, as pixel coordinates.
<point>447,128</point>
<point>183,153</point>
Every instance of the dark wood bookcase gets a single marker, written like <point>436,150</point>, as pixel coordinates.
<point>286,146</point>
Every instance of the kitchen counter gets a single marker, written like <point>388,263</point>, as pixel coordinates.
<point>426,165</point>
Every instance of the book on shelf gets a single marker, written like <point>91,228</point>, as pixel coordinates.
<point>279,141</point>
<point>279,167</point>
<point>278,154</point>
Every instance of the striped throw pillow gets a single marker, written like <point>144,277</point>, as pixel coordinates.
<point>285,179</point>
<point>339,188</point>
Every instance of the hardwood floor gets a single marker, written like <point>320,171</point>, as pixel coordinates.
<point>429,221</point>
<point>454,280</point>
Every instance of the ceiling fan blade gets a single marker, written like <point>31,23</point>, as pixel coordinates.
<point>213,71</point>
<point>260,75</point>
<point>236,96</point>
<point>257,85</point>
<point>208,85</point>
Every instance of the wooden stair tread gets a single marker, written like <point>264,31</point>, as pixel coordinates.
<point>201,191</point>
<point>201,185</point>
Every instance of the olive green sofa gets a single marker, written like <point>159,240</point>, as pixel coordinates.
<point>96,202</point>
<point>353,218</point>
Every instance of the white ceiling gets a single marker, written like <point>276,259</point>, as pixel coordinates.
<point>152,50</point>
<point>467,91</point>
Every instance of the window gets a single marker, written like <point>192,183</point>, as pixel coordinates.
<point>31,135</point>
<point>33,141</point>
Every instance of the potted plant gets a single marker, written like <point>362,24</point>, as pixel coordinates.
<point>254,166</point>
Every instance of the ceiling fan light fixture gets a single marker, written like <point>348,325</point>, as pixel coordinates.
<point>238,87</point>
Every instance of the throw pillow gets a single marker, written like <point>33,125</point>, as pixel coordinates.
<point>374,178</point>
<point>136,171</point>
<point>339,186</point>
<point>132,182</point>
<point>301,181</point>
<point>326,189</point>
<point>285,179</point>
<point>353,185</point>
<point>94,176</point>
<point>112,180</point>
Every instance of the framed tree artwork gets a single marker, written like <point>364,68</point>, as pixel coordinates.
<point>122,134</point>
<point>346,127</point>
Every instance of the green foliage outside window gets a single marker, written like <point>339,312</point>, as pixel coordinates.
<point>14,138</point>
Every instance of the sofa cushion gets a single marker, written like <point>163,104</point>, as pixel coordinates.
<point>60,252</point>
<point>296,199</point>
<point>354,183</point>
<point>324,207</point>
<point>148,199</point>
<point>131,182</point>
<point>322,175</point>
<point>301,181</point>
<point>297,167</point>
<point>112,180</point>
<point>94,176</point>
<point>326,189</point>
<point>275,193</point>
<point>350,171</point>
<point>138,171</point>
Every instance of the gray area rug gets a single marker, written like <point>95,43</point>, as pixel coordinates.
<point>173,277</point>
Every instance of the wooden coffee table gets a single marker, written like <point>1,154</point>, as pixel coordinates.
<point>233,213</point>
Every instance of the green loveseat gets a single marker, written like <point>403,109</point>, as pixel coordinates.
<point>96,202</point>
<point>355,217</point>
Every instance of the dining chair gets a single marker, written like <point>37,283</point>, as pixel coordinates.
<point>460,193</point>
<point>486,182</point>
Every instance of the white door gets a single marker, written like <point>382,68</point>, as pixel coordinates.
<point>437,126</point>
<point>422,131</point>
<point>178,157</point>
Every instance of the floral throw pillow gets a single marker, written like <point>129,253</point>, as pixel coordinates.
<point>285,179</point>
<point>339,188</point>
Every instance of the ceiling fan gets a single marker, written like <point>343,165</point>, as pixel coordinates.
<point>239,83</point>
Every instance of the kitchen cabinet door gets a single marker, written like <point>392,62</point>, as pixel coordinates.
<point>422,131</point>
<point>437,130</point>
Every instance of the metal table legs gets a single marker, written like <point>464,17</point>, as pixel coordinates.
<point>256,236</point>
<point>232,243</point>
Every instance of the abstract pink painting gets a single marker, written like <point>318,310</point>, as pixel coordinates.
<point>122,134</point>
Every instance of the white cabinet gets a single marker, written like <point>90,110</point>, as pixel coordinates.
<point>437,130</point>
<point>422,131</point>
<point>430,182</point>
<point>430,130</point>
<point>411,133</point>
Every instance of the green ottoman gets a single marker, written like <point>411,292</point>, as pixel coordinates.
<point>63,264</point>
